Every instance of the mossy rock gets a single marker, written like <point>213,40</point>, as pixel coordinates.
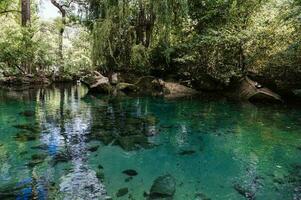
<point>127,88</point>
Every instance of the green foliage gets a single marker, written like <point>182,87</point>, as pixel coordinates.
<point>78,54</point>
<point>22,50</point>
<point>35,48</point>
<point>140,58</point>
<point>219,39</point>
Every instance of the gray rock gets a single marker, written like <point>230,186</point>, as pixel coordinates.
<point>164,187</point>
<point>126,88</point>
<point>114,79</point>
<point>97,83</point>
<point>130,172</point>
<point>176,90</point>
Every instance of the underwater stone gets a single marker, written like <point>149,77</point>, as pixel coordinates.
<point>29,127</point>
<point>27,113</point>
<point>187,152</point>
<point>164,187</point>
<point>128,179</point>
<point>121,192</point>
<point>130,172</point>
<point>100,175</point>
<point>93,148</point>
<point>244,192</point>
<point>133,142</point>
<point>25,136</point>
<point>37,159</point>
<point>33,163</point>
<point>38,156</point>
<point>201,196</point>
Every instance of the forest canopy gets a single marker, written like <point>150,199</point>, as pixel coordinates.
<point>209,42</point>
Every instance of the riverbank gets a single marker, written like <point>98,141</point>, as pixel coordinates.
<point>120,83</point>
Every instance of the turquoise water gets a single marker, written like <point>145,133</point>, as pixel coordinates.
<point>58,143</point>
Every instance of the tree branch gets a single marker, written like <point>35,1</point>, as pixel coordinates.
<point>60,7</point>
<point>8,11</point>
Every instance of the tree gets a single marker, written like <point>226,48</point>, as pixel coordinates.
<point>62,6</point>
<point>25,12</point>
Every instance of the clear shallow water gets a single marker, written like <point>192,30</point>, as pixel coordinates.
<point>57,143</point>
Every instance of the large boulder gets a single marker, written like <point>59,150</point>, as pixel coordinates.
<point>149,85</point>
<point>164,187</point>
<point>126,88</point>
<point>157,87</point>
<point>146,85</point>
<point>250,90</point>
<point>176,90</point>
<point>97,83</point>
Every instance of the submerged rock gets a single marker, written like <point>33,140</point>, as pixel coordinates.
<point>28,113</point>
<point>29,127</point>
<point>93,148</point>
<point>121,192</point>
<point>37,159</point>
<point>248,194</point>
<point>201,196</point>
<point>130,172</point>
<point>187,152</point>
<point>38,156</point>
<point>100,174</point>
<point>164,187</point>
<point>133,142</point>
<point>128,179</point>
<point>25,136</point>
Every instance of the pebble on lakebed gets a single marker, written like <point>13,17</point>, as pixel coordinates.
<point>121,192</point>
<point>130,172</point>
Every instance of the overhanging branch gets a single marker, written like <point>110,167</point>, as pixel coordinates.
<point>9,11</point>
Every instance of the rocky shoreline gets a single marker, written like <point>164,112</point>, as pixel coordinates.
<point>117,84</point>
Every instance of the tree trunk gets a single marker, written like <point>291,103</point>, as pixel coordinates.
<point>61,36</point>
<point>62,29</point>
<point>242,62</point>
<point>25,12</point>
<point>25,22</point>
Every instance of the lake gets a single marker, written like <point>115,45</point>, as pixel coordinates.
<point>60,143</point>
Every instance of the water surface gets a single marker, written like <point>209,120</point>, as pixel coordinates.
<point>58,143</point>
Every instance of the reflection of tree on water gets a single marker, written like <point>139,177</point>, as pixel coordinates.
<point>66,128</point>
<point>130,127</point>
<point>81,182</point>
